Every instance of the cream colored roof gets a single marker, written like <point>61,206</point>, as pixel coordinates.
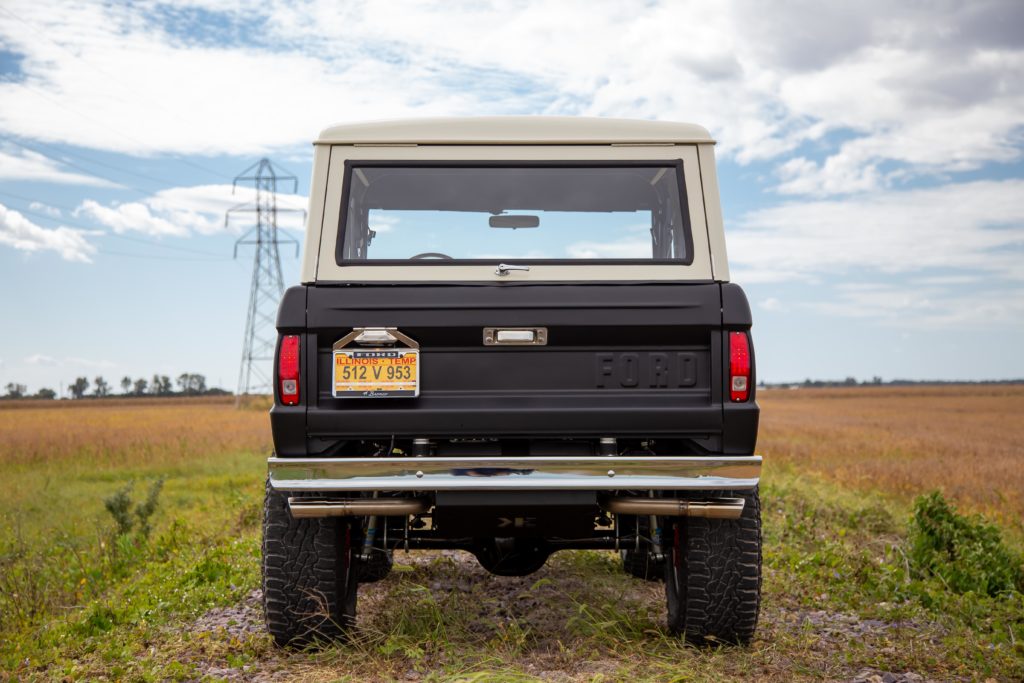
<point>512,130</point>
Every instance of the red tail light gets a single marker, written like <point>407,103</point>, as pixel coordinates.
<point>739,367</point>
<point>288,370</point>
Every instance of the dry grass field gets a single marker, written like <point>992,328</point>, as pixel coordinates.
<point>61,458</point>
<point>126,432</point>
<point>79,601</point>
<point>967,441</point>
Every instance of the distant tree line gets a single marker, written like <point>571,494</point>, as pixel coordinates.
<point>189,384</point>
<point>878,381</point>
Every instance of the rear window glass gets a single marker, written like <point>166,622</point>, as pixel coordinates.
<point>422,214</point>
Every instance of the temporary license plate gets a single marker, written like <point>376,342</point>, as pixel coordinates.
<point>376,373</point>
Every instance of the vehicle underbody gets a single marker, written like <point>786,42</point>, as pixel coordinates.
<point>506,503</point>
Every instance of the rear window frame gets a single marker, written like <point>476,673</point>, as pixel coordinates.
<point>677,164</point>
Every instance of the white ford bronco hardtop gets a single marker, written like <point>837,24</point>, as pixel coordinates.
<point>514,336</point>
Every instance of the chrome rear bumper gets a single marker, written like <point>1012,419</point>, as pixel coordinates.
<point>600,473</point>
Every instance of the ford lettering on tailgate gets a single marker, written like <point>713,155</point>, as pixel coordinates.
<point>646,369</point>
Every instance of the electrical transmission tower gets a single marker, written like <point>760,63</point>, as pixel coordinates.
<point>255,374</point>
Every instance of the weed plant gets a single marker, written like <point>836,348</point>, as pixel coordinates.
<point>129,516</point>
<point>965,552</point>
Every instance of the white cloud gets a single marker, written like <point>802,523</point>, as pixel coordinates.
<point>181,211</point>
<point>943,280</point>
<point>51,211</point>
<point>381,222</point>
<point>532,254</point>
<point>111,79</point>
<point>31,166</point>
<point>173,212</point>
<point>837,175</point>
<point>929,89</point>
<point>130,217</point>
<point>22,234</point>
<point>952,228</point>
<point>41,359</point>
<point>621,249</point>
<point>202,207</point>
<point>772,304</point>
<point>904,305</point>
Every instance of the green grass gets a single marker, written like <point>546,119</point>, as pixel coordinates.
<point>68,581</point>
<point>81,602</point>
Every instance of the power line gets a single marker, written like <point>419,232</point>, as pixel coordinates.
<point>133,91</point>
<point>115,235</point>
<point>115,167</point>
<point>72,209</point>
<point>60,104</point>
<point>129,238</point>
<point>138,240</point>
<point>180,158</point>
<point>211,257</point>
<point>121,185</point>
<point>154,257</point>
<point>65,162</point>
<point>36,199</point>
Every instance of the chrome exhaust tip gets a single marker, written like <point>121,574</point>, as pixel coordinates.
<point>308,508</point>
<point>715,508</point>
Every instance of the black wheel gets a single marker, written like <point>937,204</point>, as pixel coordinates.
<point>511,556</point>
<point>640,563</point>
<point>309,580</point>
<point>376,567</point>
<point>713,575</point>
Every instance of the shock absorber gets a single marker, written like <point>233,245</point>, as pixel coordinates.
<point>371,533</point>
<point>656,554</point>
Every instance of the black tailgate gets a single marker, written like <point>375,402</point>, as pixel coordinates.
<point>621,360</point>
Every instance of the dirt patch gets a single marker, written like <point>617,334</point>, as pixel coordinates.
<point>440,612</point>
<point>870,676</point>
<point>232,625</point>
<point>828,633</point>
<point>836,628</point>
<point>237,621</point>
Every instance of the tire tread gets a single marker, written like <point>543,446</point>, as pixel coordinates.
<point>308,591</point>
<point>720,577</point>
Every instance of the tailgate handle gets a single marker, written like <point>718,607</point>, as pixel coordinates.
<point>504,269</point>
<point>515,336</point>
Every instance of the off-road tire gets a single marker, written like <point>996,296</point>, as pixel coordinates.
<point>309,584</point>
<point>713,575</point>
<point>642,566</point>
<point>639,563</point>
<point>376,567</point>
<point>511,556</point>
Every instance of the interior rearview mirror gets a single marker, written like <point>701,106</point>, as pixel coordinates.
<point>514,221</point>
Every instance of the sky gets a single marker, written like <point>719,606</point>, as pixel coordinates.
<point>870,160</point>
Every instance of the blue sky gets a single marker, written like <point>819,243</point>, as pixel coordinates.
<point>870,158</point>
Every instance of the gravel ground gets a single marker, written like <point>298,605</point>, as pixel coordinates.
<point>496,603</point>
<point>237,621</point>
